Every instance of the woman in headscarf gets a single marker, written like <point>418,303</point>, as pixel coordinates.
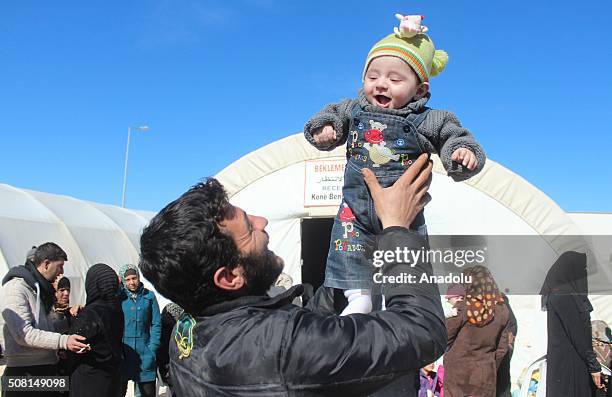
<point>571,366</point>
<point>477,338</point>
<point>60,313</point>
<point>101,322</point>
<point>602,345</point>
<point>169,316</point>
<point>142,332</point>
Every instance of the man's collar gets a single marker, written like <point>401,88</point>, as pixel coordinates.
<point>255,301</point>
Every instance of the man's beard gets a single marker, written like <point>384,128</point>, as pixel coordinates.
<point>260,271</point>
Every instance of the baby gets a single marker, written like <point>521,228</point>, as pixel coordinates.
<point>454,294</point>
<point>385,129</point>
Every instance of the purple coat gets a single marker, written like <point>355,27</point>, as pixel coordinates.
<point>435,386</point>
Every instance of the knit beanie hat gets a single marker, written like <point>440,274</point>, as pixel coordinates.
<point>413,46</point>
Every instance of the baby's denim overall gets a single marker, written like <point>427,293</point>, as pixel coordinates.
<point>388,145</point>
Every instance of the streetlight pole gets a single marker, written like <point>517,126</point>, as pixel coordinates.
<point>127,153</point>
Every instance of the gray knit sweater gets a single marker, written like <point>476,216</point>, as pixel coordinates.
<point>441,132</point>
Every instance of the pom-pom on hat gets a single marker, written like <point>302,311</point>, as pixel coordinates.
<point>413,46</point>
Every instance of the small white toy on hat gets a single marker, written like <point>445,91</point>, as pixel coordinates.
<point>410,25</point>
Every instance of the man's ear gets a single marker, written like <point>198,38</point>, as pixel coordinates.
<point>421,91</point>
<point>229,280</point>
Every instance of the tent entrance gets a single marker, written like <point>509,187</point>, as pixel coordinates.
<point>316,233</point>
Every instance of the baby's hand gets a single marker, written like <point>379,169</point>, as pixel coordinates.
<point>324,136</point>
<point>466,157</point>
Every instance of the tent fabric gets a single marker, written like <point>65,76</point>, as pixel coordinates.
<point>88,232</point>
<point>270,182</point>
<point>496,181</point>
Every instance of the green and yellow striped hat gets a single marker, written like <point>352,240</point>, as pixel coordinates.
<point>417,51</point>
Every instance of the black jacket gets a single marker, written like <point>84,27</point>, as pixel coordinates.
<point>265,346</point>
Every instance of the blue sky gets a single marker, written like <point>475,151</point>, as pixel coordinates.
<point>217,79</point>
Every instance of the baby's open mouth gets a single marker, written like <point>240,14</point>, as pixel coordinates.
<point>383,100</point>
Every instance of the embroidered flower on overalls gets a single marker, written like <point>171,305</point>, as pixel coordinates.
<point>184,335</point>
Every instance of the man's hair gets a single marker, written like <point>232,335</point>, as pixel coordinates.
<point>49,251</point>
<point>183,246</point>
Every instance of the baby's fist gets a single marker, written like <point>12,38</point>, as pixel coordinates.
<point>324,136</point>
<point>466,157</point>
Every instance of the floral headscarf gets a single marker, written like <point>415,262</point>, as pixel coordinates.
<point>125,268</point>
<point>481,296</point>
<point>122,270</point>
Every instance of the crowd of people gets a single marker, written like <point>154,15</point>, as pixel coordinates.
<point>100,346</point>
<point>224,334</point>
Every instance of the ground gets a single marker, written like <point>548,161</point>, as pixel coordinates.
<point>129,393</point>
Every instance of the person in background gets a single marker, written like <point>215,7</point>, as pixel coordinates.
<point>571,365</point>
<point>62,316</point>
<point>141,334</point>
<point>27,300</point>
<point>477,341</point>
<point>430,383</point>
<point>454,294</point>
<point>96,372</point>
<point>602,346</point>
<point>504,382</point>
<point>169,316</point>
<point>61,313</point>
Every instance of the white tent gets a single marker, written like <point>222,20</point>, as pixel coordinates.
<point>293,184</point>
<point>289,182</point>
<point>90,233</point>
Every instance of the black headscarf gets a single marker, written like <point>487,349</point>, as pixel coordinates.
<point>63,283</point>
<point>568,276</point>
<point>101,284</point>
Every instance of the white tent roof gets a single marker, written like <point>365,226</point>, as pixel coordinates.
<point>89,232</point>
<point>271,182</point>
<point>593,223</point>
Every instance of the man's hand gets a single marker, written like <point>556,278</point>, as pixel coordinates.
<point>466,157</point>
<point>75,344</point>
<point>597,379</point>
<point>74,310</point>
<point>399,204</point>
<point>325,136</point>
